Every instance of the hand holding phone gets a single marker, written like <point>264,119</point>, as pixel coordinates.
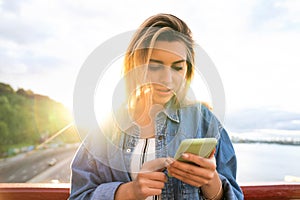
<point>199,146</point>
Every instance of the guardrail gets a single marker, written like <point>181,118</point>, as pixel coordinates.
<point>49,191</point>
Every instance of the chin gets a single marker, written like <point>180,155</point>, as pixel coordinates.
<point>161,101</point>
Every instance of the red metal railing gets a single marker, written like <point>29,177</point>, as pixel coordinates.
<point>49,191</point>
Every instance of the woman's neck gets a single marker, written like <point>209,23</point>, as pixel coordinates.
<point>147,126</point>
<point>147,131</point>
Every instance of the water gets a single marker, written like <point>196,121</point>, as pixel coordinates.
<point>258,162</point>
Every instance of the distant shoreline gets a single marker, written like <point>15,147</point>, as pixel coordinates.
<point>235,139</point>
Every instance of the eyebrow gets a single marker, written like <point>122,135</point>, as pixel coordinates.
<point>161,62</point>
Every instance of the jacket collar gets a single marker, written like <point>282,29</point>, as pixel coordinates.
<point>171,110</point>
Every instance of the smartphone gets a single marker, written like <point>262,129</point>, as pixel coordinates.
<point>199,146</point>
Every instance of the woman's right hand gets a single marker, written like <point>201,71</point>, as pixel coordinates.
<point>149,184</point>
<point>150,181</point>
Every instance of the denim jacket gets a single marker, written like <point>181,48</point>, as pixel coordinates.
<point>102,162</point>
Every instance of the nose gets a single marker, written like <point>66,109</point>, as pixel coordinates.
<point>166,76</point>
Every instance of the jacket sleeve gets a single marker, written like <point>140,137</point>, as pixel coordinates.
<point>227,166</point>
<point>90,179</point>
<point>225,155</point>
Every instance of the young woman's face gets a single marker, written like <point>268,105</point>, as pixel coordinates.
<point>167,70</point>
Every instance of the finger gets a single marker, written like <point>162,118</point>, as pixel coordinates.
<point>208,163</point>
<point>155,184</point>
<point>190,171</point>
<point>152,192</point>
<point>146,94</point>
<point>197,182</point>
<point>142,102</point>
<point>156,165</point>
<point>143,190</point>
<point>155,176</point>
<point>212,153</point>
<point>147,90</point>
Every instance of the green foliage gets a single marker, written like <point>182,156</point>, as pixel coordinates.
<point>28,118</point>
<point>5,88</point>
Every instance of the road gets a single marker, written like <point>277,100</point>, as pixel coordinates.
<point>40,166</point>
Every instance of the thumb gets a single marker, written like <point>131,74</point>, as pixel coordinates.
<point>212,153</point>
<point>158,164</point>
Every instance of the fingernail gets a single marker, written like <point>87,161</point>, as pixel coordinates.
<point>169,161</point>
<point>147,90</point>
<point>184,155</point>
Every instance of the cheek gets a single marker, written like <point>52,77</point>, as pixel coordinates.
<point>179,77</point>
<point>152,77</point>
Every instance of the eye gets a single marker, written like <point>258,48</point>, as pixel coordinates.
<point>177,68</point>
<point>154,67</point>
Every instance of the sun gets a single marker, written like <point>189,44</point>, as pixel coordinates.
<point>106,97</point>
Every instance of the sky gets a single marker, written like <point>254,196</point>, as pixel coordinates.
<point>254,44</point>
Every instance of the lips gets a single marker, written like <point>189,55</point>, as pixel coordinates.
<point>163,90</point>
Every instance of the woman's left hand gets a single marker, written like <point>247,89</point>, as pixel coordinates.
<point>202,172</point>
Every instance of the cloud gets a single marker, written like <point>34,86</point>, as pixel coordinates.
<point>262,118</point>
<point>276,15</point>
<point>256,58</point>
<point>11,6</point>
<point>19,28</point>
<point>26,62</point>
<point>23,32</point>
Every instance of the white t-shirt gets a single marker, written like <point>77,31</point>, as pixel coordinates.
<point>143,152</point>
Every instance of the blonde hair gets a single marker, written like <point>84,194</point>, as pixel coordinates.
<point>160,27</point>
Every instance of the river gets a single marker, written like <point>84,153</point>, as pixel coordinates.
<point>259,162</point>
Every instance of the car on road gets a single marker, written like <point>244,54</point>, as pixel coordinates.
<point>52,162</point>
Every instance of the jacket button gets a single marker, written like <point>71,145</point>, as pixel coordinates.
<point>128,150</point>
<point>160,137</point>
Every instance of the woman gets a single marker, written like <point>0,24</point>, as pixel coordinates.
<point>132,157</point>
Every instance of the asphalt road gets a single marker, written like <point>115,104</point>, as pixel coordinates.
<point>39,166</point>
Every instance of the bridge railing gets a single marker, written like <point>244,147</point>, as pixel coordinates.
<point>49,191</point>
